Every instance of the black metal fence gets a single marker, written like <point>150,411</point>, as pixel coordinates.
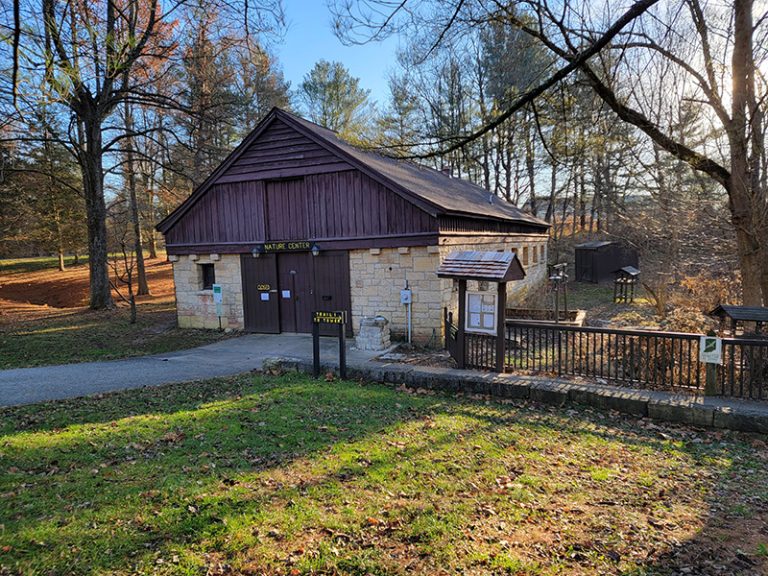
<point>645,359</point>
<point>744,373</point>
<point>634,358</point>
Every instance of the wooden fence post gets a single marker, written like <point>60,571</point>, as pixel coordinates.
<point>501,325</point>
<point>710,385</point>
<point>460,340</point>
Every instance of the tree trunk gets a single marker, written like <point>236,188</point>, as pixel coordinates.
<point>130,169</point>
<point>745,201</point>
<point>530,166</point>
<point>150,217</point>
<point>96,217</point>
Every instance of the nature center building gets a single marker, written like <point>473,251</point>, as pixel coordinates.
<point>297,220</point>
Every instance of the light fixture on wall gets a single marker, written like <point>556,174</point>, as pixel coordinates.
<point>257,251</point>
<point>315,249</point>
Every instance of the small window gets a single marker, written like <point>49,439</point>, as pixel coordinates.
<point>542,257</point>
<point>525,255</point>
<point>207,276</point>
<point>535,254</point>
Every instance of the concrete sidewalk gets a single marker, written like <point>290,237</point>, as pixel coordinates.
<point>294,351</point>
<point>225,358</point>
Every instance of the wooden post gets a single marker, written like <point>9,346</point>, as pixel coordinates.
<point>315,349</point>
<point>710,385</point>
<point>342,352</point>
<point>461,351</point>
<point>445,328</point>
<point>501,325</point>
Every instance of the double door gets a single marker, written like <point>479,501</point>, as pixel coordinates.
<point>280,291</point>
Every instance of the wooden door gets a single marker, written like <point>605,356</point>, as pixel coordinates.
<point>295,277</point>
<point>260,297</point>
<point>332,289</point>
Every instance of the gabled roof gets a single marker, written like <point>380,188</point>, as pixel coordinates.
<point>741,313</point>
<point>593,244</point>
<point>475,265</point>
<point>427,188</point>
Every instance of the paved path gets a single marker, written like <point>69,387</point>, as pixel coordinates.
<point>225,358</point>
<point>237,355</point>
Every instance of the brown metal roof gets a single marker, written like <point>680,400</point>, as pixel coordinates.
<point>475,265</point>
<point>429,189</point>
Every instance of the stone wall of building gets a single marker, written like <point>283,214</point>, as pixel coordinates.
<point>378,275</point>
<point>531,250</point>
<point>195,306</point>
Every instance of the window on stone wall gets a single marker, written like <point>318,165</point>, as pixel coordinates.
<point>542,255</point>
<point>525,255</point>
<point>207,276</point>
<point>535,254</point>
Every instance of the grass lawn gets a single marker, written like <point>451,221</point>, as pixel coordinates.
<point>87,335</point>
<point>17,265</point>
<point>44,319</point>
<point>286,475</point>
<point>597,300</point>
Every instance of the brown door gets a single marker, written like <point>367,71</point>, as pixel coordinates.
<point>295,278</point>
<point>332,290</point>
<point>260,293</point>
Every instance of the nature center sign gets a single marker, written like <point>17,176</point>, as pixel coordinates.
<point>295,246</point>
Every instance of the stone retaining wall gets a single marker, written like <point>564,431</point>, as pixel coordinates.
<point>694,410</point>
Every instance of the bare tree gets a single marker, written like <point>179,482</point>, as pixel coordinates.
<point>714,48</point>
<point>88,55</point>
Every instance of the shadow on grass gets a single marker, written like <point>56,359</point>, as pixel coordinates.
<point>733,535</point>
<point>237,468</point>
<point>87,335</point>
<point>139,462</point>
<point>34,264</point>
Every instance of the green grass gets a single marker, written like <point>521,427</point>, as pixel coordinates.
<point>97,335</point>
<point>287,475</point>
<point>21,265</point>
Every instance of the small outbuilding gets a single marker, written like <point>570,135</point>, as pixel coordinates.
<point>297,220</point>
<point>734,319</point>
<point>598,260</point>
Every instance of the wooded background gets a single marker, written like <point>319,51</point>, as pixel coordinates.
<point>640,121</point>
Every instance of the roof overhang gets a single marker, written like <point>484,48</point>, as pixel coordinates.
<point>482,266</point>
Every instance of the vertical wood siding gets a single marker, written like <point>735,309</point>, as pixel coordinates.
<point>282,152</point>
<point>341,205</point>
<point>227,213</point>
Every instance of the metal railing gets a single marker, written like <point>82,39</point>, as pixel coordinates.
<point>639,358</point>
<point>744,373</point>
<point>644,359</point>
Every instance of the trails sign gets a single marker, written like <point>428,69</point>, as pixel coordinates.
<point>711,350</point>
<point>329,317</point>
<point>340,320</point>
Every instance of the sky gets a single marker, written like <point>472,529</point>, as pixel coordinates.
<point>310,37</point>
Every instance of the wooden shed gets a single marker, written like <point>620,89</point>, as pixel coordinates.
<point>599,260</point>
<point>296,220</point>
